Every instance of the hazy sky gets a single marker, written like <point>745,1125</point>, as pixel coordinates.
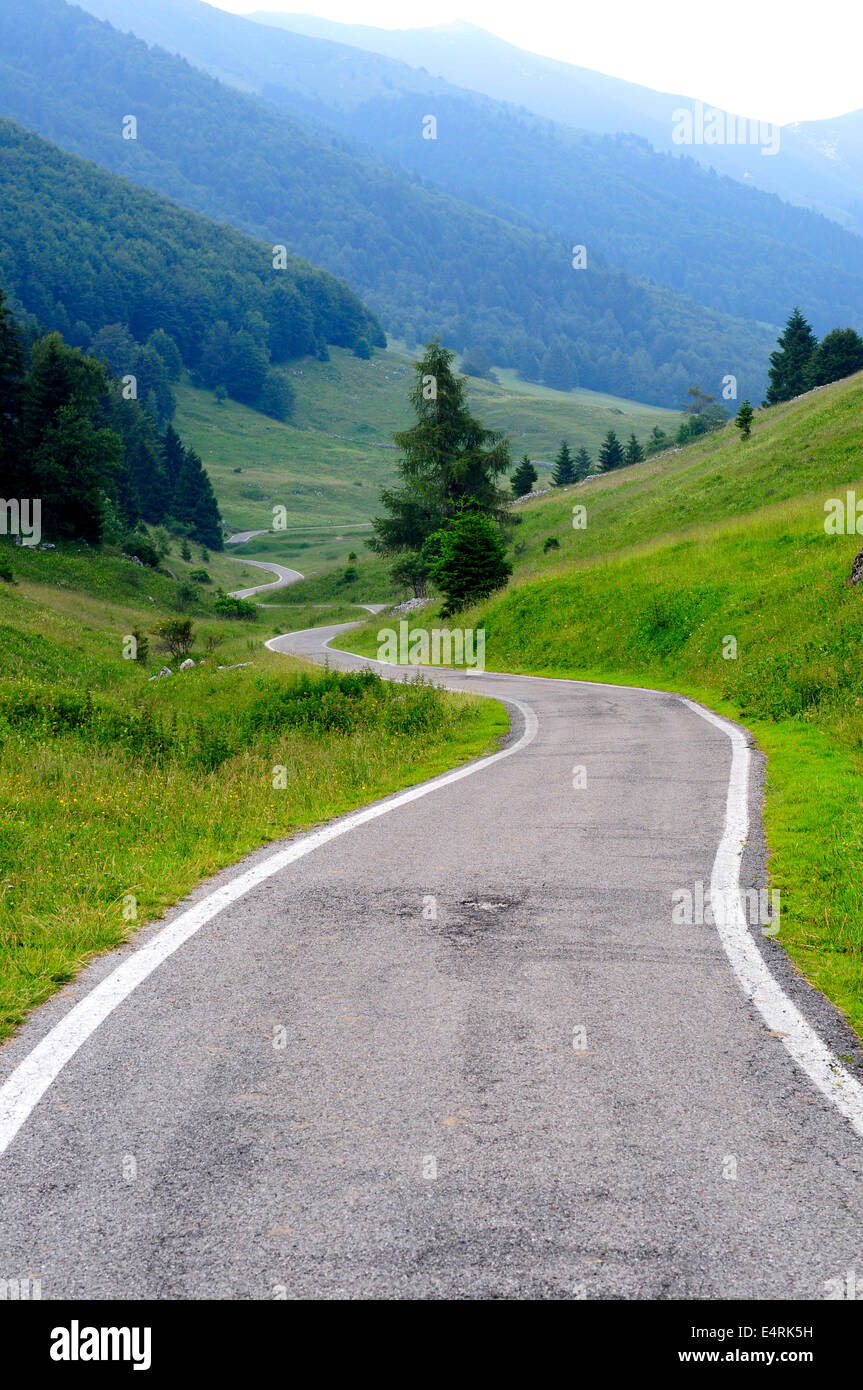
<point>780,60</point>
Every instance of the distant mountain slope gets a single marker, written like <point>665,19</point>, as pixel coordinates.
<point>820,164</point>
<point>81,249</point>
<point>424,261</point>
<point>730,247</point>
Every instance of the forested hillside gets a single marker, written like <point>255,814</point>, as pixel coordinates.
<point>424,261</point>
<point>724,243</point>
<point>82,250</point>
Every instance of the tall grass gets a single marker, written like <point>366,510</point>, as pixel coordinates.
<point>118,794</point>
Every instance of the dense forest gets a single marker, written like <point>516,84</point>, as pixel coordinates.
<point>108,264</point>
<point>94,459</point>
<point>425,262</point>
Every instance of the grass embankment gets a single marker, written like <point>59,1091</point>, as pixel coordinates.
<point>723,540</point>
<point>327,466</point>
<point>119,794</point>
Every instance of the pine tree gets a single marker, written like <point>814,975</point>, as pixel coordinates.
<point>633,452</point>
<point>743,419</point>
<point>72,468</point>
<point>611,453</point>
<point>789,366</point>
<point>471,563</point>
<point>583,464</point>
<point>524,478</point>
<point>447,459</point>
<point>193,502</point>
<point>564,468</point>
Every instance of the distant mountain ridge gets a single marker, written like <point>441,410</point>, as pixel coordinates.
<point>423,261</point>
<point>730,247</point>
<point>820,164</point>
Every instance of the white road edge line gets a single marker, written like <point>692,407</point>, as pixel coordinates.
<point>26,1085</point>
<point>754,976</point>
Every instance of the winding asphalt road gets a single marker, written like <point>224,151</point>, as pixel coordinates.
<point>452,1046</point>
<point>284,575</point>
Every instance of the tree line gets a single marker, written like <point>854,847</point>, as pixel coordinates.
<point>95,458</point>
<point>801,362</point>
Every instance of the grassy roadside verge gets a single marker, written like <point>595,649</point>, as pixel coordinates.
<point>118,793</point>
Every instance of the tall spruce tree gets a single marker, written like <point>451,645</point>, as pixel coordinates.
<point>564,468</point>
<point>583,464</point>
<point>790,364</point>
<point>448,460</point>
<point>610,453</point>
<point>633,453</point>
<point>524,477</point>
<point>192,502</point>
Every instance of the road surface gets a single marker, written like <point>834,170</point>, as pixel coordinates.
<point>240,537</point>
<point>284,575</point>
<point>458,1049</point>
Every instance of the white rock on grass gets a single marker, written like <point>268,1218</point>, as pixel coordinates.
<point>411,605</point>
<point>187,665</point>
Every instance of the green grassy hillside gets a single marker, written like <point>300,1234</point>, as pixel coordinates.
<point>726,540</point>
<point>328,465</point>
<point>119,793</point>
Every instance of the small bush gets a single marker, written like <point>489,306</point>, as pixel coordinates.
<point>550,543</point>
<point>229,607</point>
<point>212,639</point>
<point>177,636</point>
<point>142,548</point>
<point>200,576</point>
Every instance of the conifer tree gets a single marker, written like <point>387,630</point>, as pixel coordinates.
<point>471,563</point>
<point>838,355</point>
<point>743,420</point>
<point>524,478</point>
<point>583,464</point>
<point>790,364</point>
<point>564,468</point>
<point>633,452</point>
<point>611,453</point>
<point>448,459</point>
